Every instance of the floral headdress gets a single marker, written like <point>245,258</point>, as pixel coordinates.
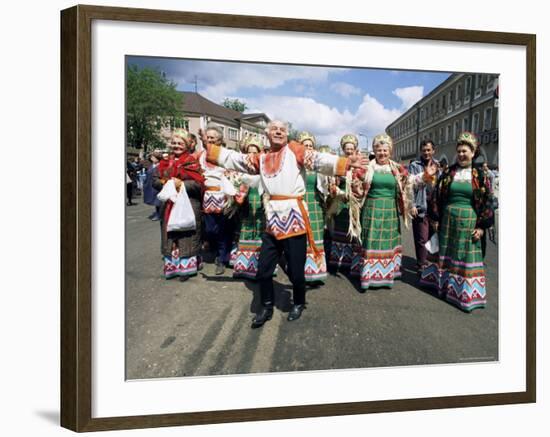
<point>306,136</point>
<point>382,139</point>
<point>349,138</point>
<point>468,138</point>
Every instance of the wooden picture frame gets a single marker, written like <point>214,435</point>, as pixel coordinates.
<point>76,217</point>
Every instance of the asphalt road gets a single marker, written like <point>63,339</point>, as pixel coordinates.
<point>202,326</point>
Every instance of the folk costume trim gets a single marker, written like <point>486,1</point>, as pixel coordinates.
<point>272,162</point>
<point>282,181</point>
<point>212,154</point>
<point>342,166</point>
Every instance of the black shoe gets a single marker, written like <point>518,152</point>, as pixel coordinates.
<point>184,278</point>
<point>263,316</point>
<point>295,312</point>
<point>220,269</point>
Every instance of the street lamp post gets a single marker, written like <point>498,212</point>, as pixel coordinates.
<point>366,140</point>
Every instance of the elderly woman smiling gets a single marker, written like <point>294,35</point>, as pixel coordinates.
<point>388,192</point>
<point>461,209</point>
<point>180,249</point>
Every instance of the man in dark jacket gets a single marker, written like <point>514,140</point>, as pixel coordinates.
<point>420,222</point>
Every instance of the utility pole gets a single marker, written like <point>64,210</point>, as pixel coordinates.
<point>366,140</point>
<point>196,83</point>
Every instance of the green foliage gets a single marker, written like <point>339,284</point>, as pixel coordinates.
<point>235,104</point>
<point>292,133</point>
<point>152,101</point>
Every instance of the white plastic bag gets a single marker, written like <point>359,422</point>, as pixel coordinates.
<point>182,217</point>
<point>432,245</point>
<point>168,192</point>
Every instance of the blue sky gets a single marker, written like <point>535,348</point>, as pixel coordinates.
<point>328,101</point>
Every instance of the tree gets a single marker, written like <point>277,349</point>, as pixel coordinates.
<point>292,133</point>
<point>235,104</point>
<point>152,101</point>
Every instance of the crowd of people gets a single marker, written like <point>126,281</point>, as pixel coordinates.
<point>304,210</point>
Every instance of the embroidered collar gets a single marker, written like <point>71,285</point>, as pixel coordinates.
<point>463,174</point>
<point>272,162</point>
<point>380,168</point>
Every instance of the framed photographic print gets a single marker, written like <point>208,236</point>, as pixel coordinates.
<point>268,218</point>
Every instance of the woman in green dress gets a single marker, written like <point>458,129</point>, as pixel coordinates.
<point>388,200</point>
<point>315,267</point>
<point>252,215</point>
<point>461,210</point>
<point>343,213</point>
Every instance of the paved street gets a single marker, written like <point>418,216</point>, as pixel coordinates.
<point>202,326</point>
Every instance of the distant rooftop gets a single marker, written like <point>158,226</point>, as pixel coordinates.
<point>196,104</point>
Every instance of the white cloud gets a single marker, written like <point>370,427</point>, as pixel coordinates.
<point>409,95</point>
<point>216,80</point>
<point>345,89</point>
<point>328,123</point>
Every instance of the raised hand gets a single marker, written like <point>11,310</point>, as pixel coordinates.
<point>431,168</point>
<point>202,136</point>
<point>359,161</point>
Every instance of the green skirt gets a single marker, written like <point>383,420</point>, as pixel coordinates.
<point>315,269</point>
<point>457,272</point>
<point>380,259</point>
<point>247,253</point>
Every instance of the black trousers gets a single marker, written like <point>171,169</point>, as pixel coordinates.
<point>129,191</point>
<point>294,249</point>
<point>421,233</point>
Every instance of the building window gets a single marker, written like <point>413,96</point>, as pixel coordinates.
<point>448,133</point>
<point>487,118</point>
<point>468,85</point>
<point>458,92</point>
<point>233,134</point>
<point>465,123</point>
<point>478,80</point>
<point>440,134</point>
<point>444,102</point>
<point>475,122</point>
<point>455,130</point>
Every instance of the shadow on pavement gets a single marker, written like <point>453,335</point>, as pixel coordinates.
<point>282,296</point>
